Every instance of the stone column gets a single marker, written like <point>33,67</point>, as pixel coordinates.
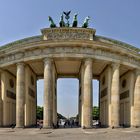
<point>109,95</point>
<point>48,93</point>
<point>35,111</point>
<point>55,107</point>
<point>132,84</point>
<point>99,100</point>
<point>82,90</point>
<point>79,104</point>
<point>137,100</point>
<point>20,95</point>
<point>87,94</point>
<point>54,98</point>
<point>1,102</point>
<point>115,95</point>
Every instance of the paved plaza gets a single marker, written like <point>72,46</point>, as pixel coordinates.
<point>70,134</point>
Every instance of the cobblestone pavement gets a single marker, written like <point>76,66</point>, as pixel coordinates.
<point>70,134</point>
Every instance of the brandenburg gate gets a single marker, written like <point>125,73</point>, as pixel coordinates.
<point>70,52</point>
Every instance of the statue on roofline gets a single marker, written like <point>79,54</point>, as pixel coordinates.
<point>62,23</point>
<point>85,24</point>
<point>67,24</point>
<point>52,24</point>
<point>75,21</point>
<point>67,16</point>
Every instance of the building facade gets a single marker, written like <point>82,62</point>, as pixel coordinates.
<point>70,52</point>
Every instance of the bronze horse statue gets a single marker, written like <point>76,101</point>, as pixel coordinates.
<point>52,25</point>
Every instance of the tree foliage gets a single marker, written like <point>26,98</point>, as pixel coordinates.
<point>59,116</point>
<point>95,113</point>
<point>39,113</point>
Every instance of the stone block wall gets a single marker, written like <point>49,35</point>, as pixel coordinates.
<point>8,92</point>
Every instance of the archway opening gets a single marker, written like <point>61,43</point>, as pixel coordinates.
<point>67,100</point>
<point>40,92</point>
<point>96,107</point>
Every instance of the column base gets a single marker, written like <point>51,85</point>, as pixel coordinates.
<point>113,127</point>
<point>135,126</point>
<point>47,127</point>
<point>20,127</point>
<point>86,127</point>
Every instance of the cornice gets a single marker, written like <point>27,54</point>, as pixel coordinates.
<point>74,52</point>
<point>22,42</point>
<point>116,42</point>
<point>99,47</point>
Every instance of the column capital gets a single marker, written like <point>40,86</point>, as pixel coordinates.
<point>88,59</point>
<point>20,64</point>
<point>115,65</point>
<point>47,60</point>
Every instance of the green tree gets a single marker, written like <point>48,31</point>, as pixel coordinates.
<point>95,113</point>
<point>39,113</point>
<point>59,116</point>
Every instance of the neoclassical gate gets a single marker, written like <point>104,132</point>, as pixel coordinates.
<point>70,52</point>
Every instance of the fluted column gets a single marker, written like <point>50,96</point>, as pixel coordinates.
<point>79,104</point>
<point>20,95</point>
<point>82,90</point>
<point>55,107</point>
<point>115,95</point>
<point>137,100</point>
<point>1,112</point>
<point>1,103</point>
<point>87,94</point>
<point>54,98</point>
<point>132,84</point>
<point>48,93</point>
<point>109,95</point>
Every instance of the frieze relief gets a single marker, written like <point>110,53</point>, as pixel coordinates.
<point>63,36</point>
<point>37,52</point>
<point>84,51</point>
<point>28,54</point>
<point>18,55</point>
<point>68,33</point>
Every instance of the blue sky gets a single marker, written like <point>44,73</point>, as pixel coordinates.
<point>118,19</point>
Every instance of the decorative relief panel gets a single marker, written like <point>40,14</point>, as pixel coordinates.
<point>28,53</point>
<point>68,33</point>
<point>37,52</point>
<point>18,55</point>
<point>124,95</point>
